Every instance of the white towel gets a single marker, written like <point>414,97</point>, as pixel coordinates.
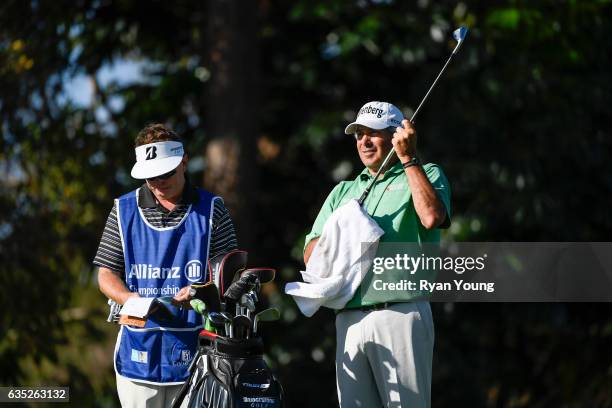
<point>348,243</point>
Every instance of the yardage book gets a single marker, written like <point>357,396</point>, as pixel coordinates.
<point>136,310</point>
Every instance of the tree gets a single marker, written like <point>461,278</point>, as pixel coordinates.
<point>519,123</point>
<point>231,109</point>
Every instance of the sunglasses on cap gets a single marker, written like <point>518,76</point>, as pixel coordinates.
<point>164,176</point>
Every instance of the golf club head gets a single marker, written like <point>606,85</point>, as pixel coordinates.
<point>264,275</point>
<point>221,320</point>
<point>459,35</point>
<point>227,316</point>
<point>247,301</point>
<point>241,326</point>
<point>267,315</point>
<point>198,306</point>
<point>207,293</point>
<point>218,320</point>
<point>225,267</point>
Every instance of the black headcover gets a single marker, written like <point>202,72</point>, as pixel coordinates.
<point>224,268</point>
<point>264,275</point>
<point>245,284</point>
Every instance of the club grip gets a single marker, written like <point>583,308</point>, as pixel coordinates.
<point>363,196</point>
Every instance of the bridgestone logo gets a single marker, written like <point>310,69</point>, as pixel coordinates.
<point>258,386</point>
<point>151,152</point>
<point>264,400</point>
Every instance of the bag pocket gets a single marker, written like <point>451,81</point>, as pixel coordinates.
<point>178,349</point>
<point>137,356</point>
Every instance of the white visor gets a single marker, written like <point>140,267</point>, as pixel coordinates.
<point>155,159</point>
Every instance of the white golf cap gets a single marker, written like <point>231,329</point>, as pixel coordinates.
<point>155,159</point>
<point>376,115</point>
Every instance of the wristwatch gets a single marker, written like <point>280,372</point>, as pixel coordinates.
<point>412,162</point>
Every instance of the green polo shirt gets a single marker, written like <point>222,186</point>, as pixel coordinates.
<point>389,204</point>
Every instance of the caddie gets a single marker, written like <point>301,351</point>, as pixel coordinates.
<point>157,242</point>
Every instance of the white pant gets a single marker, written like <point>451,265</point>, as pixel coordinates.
<point>384,357</point>
<point>134,394</point>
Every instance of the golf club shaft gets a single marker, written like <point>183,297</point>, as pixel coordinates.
<point>366,192</point>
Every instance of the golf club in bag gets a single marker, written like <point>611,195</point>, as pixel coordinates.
<point>459,36</point>
<point>228,369</point>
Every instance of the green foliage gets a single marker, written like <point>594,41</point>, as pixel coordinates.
<point>520,124</point>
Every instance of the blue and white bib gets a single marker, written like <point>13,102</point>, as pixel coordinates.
<point>159,262</point>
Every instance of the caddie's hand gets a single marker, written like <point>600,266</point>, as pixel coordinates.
<point>182,297</point>
<point>405,141</point>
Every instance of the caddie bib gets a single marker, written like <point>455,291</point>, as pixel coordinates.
<point>159,262</point>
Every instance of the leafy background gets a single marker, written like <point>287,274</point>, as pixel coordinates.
<point>261,91</point>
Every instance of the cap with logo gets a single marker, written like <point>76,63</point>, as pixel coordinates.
<point>376,115</point>
<point>155,159</point>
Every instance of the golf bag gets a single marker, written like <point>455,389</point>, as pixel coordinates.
<point>228,370</point>
<point>231,373</point>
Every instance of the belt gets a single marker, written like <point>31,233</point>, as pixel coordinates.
<point>368,308</point>
<point>377,306</point>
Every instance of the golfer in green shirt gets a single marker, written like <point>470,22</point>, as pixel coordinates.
<point>385,340</point>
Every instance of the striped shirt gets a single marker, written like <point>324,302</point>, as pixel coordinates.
<point>110,250</point>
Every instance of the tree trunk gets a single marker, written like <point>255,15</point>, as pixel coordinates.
<point>231,110</point>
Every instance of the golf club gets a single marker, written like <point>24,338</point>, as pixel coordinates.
<point>267,315</point>
<point>253,295</point>
<point>247,302</point>
<point>220,321</point>
<point>198,306</point>
<point>241,326</point>
<point>459,36</point>
<point>228,325</point>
